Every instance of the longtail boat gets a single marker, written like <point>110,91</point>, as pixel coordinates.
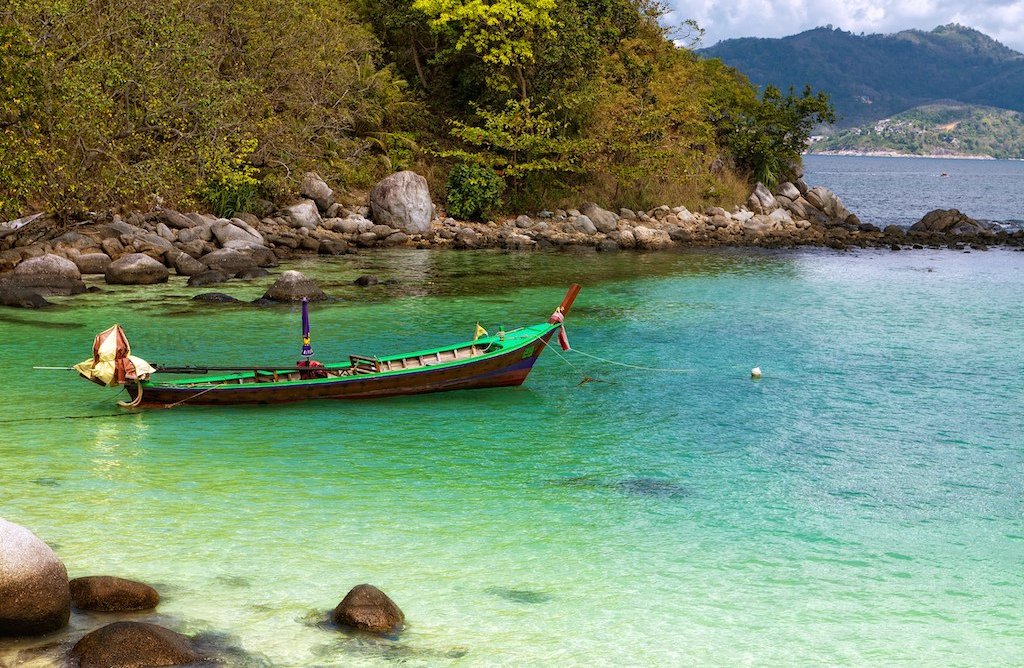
<point>501,360</point>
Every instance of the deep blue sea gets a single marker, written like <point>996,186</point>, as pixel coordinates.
<point>899,191</point>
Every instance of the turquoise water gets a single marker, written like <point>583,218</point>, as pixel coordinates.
<point>861,504</point>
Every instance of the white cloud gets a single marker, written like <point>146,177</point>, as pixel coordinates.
<point>1001,19</point>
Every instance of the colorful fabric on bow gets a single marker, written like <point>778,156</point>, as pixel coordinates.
<point>563,339</point>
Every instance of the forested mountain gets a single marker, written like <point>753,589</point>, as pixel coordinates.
<point>936,129</point>
<point>869,77</point>
<point>504,104</point>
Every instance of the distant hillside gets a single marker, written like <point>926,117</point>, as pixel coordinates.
<point>870,77</point>
<point>936,129</point>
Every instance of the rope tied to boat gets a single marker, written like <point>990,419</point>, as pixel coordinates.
<point>193,396</point>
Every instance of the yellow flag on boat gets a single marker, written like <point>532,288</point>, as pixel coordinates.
<point>112,361</point>
<point>480,331</point>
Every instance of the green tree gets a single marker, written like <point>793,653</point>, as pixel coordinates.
<point>502,33</point>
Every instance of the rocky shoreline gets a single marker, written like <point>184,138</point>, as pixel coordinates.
<point>39,258</point>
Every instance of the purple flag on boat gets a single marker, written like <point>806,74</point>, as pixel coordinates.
<point>307,350</point>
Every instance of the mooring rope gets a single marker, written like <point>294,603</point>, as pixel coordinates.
<point>197,394</point>
<point>631,366</point>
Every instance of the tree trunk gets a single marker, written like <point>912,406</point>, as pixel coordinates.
<point>416,60</point>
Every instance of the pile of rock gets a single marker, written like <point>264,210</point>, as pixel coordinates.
<point>37,599</point>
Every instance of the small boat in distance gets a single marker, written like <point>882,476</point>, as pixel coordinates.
<point>502,360</point>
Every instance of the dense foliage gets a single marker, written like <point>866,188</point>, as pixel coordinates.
<point>937,129</point>
<point>216,103</point>
<point>870,77</point>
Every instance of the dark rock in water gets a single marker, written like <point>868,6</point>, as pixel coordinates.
<point>216,298</point>
<point>607,246</point>
<point>249,274</point>
<point>48,275</point>
<point>131,644</point>
<point>12,295</point>
<point>292,286</point>
<point>365,280</point>
<point>136,269</point>
<point>105,593</point>
<point>652,487</point>
<point>520,595</point>
<point>332,247</point>
<point>34,594</point>
<point>209,277</point>
<point>367,608</point>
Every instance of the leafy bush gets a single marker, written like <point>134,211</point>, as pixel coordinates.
<point>473,190</point>
<point>232,186</point>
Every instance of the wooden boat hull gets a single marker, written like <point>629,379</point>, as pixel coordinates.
<point>509,368</point>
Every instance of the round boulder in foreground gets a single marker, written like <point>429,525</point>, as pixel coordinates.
<point>136,269</point>
<point>34,596</point>
<point>48,275</point>
<point>367,608</point>
<point>105,593</point>
<point>292,286</point>
<point>131,644</point>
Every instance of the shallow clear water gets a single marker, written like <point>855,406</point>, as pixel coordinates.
<point>861,504</point>
<point>899,191</point>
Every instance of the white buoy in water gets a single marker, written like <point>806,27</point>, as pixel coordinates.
<point>755,373</point>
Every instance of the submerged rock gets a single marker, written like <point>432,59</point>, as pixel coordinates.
<point>216,298</point>
<point>12,295</point>
<point>131,644</point>
<point>208,277</point>
<point>365,280</point>
<point>34,594</point>
<point>367,608</point>
<point>292,286</point>
<point>106,593</point>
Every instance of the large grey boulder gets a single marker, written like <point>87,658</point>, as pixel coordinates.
<point>34,594</point>
<point>229,260</point>
<point>315,189</point>
<point>762,200</point>
<point>787,189</point>
<point>583,224</point>
<point>177,220</point>
<point>106,593</point>
<point>133,644</point>
<point>604,221</point>
<point>186,265</point>
<point>226,231</point>
<point>48,275</point>
<point>302,214</point>
<point>648,238</point>
<point>402,201</point>
<point>950,221</point>
<point>136,269</point>
<point>367,608</point>
<point>92,263</point>
<point>292,286</point>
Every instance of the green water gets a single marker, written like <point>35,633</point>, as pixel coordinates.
<point>861,504</point>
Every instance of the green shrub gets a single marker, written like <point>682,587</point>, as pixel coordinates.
<point>473,190</point>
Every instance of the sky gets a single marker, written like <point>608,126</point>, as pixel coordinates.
<point>723,19</point>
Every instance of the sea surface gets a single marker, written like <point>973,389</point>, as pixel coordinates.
<point>861,504</point>
<point>899,191</point>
